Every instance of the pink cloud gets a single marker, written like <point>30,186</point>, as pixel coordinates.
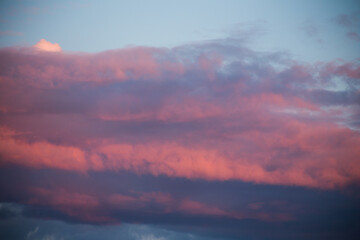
<point>80,206</point>
<point>354,36</point>
<point>207,115</point>
<point>167,203</point>
<point>94,208</point>
<point>316,159</point>
<point>44,45</point>
<point>40,154</point>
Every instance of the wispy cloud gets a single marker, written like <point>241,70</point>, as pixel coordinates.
<point>10,33</point>
<point>351,22</point>
<point>33,232</point>
<point>311,30</point>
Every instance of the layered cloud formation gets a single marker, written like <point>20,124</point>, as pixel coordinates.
<point>212,111</point>
<point>215,111</point>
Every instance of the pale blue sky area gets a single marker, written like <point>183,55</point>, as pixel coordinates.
<point>305,28</point>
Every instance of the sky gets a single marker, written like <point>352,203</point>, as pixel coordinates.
<point>169,120</point>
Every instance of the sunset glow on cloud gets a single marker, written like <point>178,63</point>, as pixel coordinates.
<point>47,46</point>
<point>258,126</point>
<point>208,139</point>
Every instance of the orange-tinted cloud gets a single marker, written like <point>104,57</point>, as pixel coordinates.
<point>47,46</point>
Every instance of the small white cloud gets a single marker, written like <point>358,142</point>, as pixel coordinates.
<point>32,232</point>
<point>47,46</point>
<point>151,237</point>
<point>139,236</point>
<point>49,237</point>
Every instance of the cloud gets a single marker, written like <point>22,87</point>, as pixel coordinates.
<point>309,167</point>
<point>109,198</point>
<point>351,22</point>
<point>9,211</point>
<point>46,46</point>
<point>311,30</point>
<point>33,232</point>
<point>50,237</point>
<point>347,20</point>
<point>10,33</point>
<point>164,136</point>
<point>354,36</point>
<point>40,153</point>
<point>112,208</point>
<point>213,111</point>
